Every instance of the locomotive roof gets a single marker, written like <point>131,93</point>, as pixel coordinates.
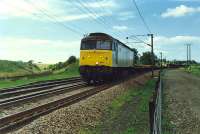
<point>104,36</point>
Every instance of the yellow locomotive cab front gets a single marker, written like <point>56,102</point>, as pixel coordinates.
<point>96,58</point>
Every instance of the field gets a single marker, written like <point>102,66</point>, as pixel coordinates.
<point>17,68</point>
<point>42,67</point>
<point>181,109</point>
<point>70,71</point>
<point>194,69</point>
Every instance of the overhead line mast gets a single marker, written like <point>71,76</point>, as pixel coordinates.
<point>150,34</point>
<point>188,54</point>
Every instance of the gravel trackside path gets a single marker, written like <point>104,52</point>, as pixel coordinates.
<point>86,113</point>
<point>182,102</point>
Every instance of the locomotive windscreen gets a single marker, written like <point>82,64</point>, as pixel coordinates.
<point>95,44</point>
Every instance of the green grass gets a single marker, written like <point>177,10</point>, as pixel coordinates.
<point>16,68</point>
<point>137,120</point>
<point>194,69</point>
<point>70,71</point>
<point>142,113</point>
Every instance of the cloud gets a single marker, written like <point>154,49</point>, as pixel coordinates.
<point>101,4</point>
<point>47,51</point>
<point>52,51</point>
<point>80,16</point>
<point>174,47</point>
<point>177,40</point>
<point>126,15</point>
<point>187,0</point>
<point>120,28</point>
<point>47,10</point>
<point>180,11</point>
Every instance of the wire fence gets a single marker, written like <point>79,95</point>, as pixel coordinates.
<point>155,109</point>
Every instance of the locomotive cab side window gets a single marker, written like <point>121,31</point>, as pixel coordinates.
<point>96,44</point>
<point>104,45</point>
<point>87,45</point>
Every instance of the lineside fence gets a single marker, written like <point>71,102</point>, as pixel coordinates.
<point>155,108</point>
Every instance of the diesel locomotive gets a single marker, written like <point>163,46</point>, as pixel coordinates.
<point>103,57</point>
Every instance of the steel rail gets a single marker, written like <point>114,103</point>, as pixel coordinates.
<point>11,122</point>
<point>53,91</point>
<point>14,121</point>
<point>40,83</point>
<point>11,92</point>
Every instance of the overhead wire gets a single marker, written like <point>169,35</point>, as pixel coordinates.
<point>92,17</point>
<point>102,7</point>
<point>92,13</point>
<point>135,37</point>
<point>141,16</point>
<point>140,40</point>
<point>56,16</point>
<point>95,16</point>
<point>54,19</point>
<point>122,32</point>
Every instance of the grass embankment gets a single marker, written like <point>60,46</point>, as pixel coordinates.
<point>194,69</point>
<point>128,114</point>
<point>17,68</point>
<point>70,71</point>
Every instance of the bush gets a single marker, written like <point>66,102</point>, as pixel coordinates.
<point>71,59</point>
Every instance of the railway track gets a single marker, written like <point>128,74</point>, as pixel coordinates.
<point>19,91</point>
<point>11,122</point>
<point>13,101</point>
<point>26,94</point>
<point>39,84</point>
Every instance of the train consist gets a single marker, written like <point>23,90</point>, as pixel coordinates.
<point>103,57</point>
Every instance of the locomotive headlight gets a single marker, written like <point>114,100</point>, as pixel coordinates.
<point>106,58</point>
<point>97,63</point>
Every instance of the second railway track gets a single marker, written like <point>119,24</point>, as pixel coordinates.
<point>38,85</point>
<point>13,101</point>
<point>11,97</point>
<point>11,122</point>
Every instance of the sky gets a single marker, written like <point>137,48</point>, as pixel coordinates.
<point>50,31</point>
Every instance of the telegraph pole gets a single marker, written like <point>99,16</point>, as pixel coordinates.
<point>152,47</point>
<point>188,53</point>
<point>161,60</point>
<point>152,54</point>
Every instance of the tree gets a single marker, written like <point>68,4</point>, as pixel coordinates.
<point>71,59</point>
<point>30,62</point>
<point>59,65</point>
<point>136,57</point>
<point>146,58</point>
